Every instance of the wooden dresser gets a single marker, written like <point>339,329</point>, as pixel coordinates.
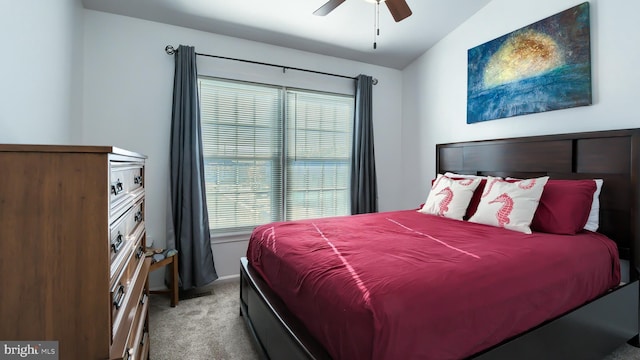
<point>72,244</point>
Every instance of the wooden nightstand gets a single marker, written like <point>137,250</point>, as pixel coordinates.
<point>172,261</point>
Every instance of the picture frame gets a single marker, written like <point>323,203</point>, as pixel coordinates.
<point>541,67</point>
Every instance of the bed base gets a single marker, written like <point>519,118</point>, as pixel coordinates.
<point>591,331</point>
<point>277,334</point>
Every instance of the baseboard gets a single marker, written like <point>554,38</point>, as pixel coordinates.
<point>227,279</point>
<point>218,281</point>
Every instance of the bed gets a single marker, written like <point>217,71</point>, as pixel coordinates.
<point>569,328</point>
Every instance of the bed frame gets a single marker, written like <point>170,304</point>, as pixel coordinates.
<point>589,332</point>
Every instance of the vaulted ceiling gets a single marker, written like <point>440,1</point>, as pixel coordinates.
<point>347,32</point>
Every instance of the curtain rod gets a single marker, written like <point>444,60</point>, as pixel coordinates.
<point>171,50</point>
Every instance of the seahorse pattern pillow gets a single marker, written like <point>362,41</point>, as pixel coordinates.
<point>475,199</point>
<point>510,205</point>
<point>449,197</point>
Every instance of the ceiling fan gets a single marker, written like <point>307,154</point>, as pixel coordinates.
<point>398,8</point>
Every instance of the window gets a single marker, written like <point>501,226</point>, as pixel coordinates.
<point>273,153</point>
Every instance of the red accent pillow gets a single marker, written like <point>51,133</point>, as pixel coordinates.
<point>564,206</point>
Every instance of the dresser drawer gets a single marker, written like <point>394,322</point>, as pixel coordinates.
<point>123,288</point>
<point>130,327</point>
<point>138,336</point>
<point>123,233</point>
<point>126,181</point>
<point>144,347</point>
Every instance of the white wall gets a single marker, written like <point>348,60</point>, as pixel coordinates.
<point>128,82</point>
<point>41,70</point>
<point>435,87</point>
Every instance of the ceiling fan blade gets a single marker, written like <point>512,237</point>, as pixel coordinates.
<point>328,7</point>
<point>398,9</point>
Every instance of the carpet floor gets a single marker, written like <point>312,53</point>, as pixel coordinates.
<point>210,328</point>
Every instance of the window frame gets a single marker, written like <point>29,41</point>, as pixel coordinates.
<point>280,205</point>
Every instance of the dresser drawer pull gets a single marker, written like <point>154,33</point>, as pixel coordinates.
<point>143,299</point>
<point>138,217</point>
<point>118,297</point>
<point>118,243</point>
<point>117,188</point>
<point>137,180</point>
<point>139,252</point>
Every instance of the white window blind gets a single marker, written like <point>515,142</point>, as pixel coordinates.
<point>242,148</point>
<point>319,128</point>
<point>255,171</point>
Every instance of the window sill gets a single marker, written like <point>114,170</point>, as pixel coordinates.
<point>230,237</point>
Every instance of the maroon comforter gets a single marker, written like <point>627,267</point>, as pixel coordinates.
<point>405,285</point>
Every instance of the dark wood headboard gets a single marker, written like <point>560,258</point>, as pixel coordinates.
<point>609,155</point>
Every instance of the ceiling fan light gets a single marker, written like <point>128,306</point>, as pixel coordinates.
<point>373,1</point>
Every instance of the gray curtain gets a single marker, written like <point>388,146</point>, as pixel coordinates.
<point>364,185</point>
<point>188,197</point>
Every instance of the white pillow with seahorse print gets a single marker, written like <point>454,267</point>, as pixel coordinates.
<point>509,204</point>
<point>449,197</point>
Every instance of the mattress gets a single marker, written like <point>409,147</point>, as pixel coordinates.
<point>400,285</point>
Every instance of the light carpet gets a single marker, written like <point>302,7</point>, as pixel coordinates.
<point>210,328</point>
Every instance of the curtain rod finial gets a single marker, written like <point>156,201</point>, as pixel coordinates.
<point>170,50</point>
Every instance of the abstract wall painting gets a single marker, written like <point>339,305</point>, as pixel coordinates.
<point>541,67</point>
